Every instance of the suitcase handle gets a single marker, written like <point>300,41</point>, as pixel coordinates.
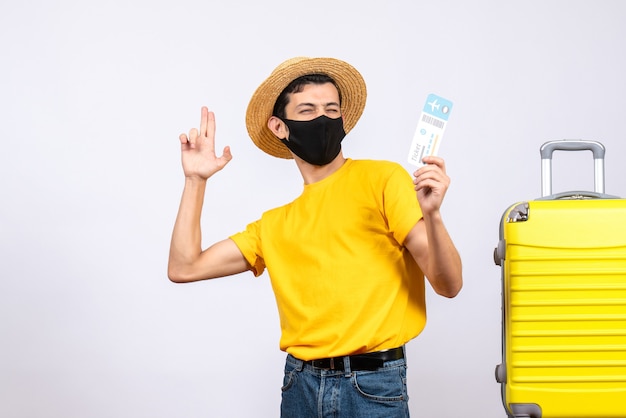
<point>549,147</point>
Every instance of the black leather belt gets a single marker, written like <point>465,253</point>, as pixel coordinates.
<point>367,361</point>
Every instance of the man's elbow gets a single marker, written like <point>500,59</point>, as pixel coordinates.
<point>450,292</point>
<point>186,273</point>
<point>177,275</point>
<point>449,289</point>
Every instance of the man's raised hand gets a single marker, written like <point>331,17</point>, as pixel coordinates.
<point>431,183</point>
<point>198,149</point>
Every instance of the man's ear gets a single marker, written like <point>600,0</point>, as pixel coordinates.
<point>278,127</point>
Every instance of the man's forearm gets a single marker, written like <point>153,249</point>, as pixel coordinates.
<point>444,262</point>
<point>186,244</point>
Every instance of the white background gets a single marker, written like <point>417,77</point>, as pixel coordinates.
<point>93,95</point>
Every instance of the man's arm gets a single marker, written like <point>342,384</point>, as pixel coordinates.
<point>433,250</point>
<point>187,261</point>
<point>429,242</point>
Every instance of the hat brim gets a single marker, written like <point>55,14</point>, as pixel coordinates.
<point>349,82</point>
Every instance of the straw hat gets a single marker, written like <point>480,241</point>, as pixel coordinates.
<point>349,81</point>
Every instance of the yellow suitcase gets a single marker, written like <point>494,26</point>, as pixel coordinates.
<point>563,263</point>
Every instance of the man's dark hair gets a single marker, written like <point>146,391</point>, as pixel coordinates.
<point>296,86</point>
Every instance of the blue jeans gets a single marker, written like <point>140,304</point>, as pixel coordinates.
<point>308,392</point>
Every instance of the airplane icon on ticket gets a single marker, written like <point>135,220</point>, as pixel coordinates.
<point>434,105</point>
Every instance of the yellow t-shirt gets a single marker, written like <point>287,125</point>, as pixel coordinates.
<point>344,283</point>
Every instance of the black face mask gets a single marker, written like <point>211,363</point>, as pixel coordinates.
<point>316,141</point>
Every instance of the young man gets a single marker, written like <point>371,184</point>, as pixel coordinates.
<point>346,259</point>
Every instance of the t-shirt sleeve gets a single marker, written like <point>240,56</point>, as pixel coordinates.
<point>249,243</point>
<point>401,206</point>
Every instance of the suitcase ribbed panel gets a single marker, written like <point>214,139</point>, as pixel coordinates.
<point>565,308</point>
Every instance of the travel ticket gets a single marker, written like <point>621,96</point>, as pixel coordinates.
<point>430,128</point>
